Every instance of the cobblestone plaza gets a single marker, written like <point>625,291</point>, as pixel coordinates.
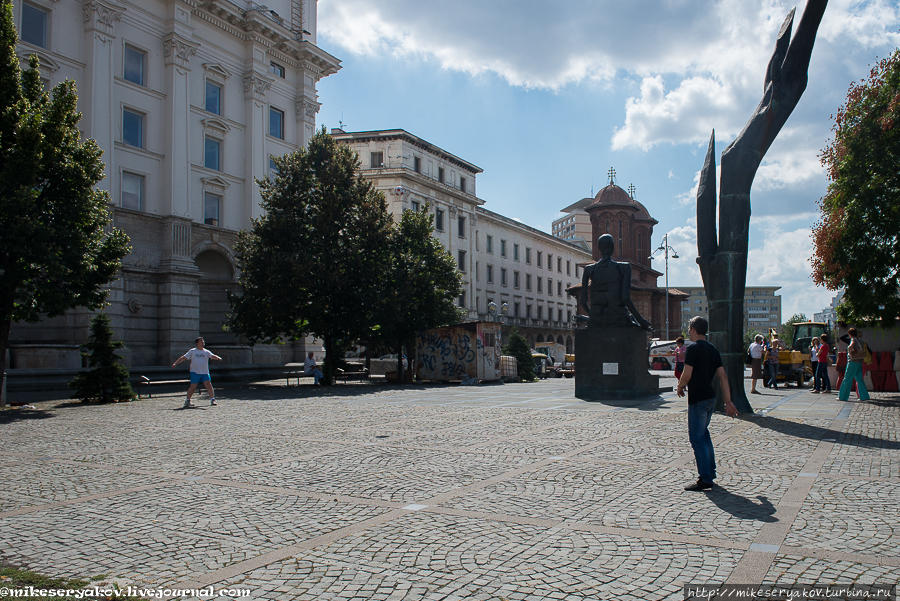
<point>515,491</point>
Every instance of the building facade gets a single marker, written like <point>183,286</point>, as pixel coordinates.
<point>762,307</point>
<point>189,100</point>
<point>511,272</point>
<point>575,224</point>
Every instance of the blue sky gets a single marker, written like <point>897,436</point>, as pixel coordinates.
<point>546,96</point>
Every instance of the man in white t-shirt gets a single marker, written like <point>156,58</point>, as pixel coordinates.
<point>199,358</point>
<point>310,369</point>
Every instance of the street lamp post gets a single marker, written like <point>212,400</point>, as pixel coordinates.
<point>665,248</point>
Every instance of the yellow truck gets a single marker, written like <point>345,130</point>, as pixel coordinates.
<point>794,364</point>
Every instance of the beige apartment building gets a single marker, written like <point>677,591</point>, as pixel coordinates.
<point>511,272</point>
<point>762,307</point>
<point>189,100</point>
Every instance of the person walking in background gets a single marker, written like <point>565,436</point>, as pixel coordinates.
<point>772,362</point>
<point>310,369</point>
<point>199,357</point>
<point>856,352</point>
<point>756,350</point>
<point>680,350</point>
<point>814,361</point>
<point>702,365</point>
<point>823,381</point>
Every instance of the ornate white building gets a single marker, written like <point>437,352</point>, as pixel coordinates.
<point>189,99</point>
<point>520,271</point>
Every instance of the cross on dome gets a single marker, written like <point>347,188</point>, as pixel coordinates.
<point>612,175</point>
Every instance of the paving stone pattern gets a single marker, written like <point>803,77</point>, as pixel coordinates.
<point>512,492</point>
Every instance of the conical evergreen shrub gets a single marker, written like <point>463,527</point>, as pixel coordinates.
<point>107,380</point>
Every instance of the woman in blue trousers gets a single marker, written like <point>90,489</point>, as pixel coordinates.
<point>855,354</point>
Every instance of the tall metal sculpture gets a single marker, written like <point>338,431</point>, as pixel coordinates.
<point>723,262</point>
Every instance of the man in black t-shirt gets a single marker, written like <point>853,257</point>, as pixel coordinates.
<point>702,364</point>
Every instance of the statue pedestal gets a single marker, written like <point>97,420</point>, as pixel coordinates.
<point>612,363</point>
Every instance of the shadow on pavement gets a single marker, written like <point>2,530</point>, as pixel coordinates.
<point>819,433</point>
<point>9,416</point>
<point>741,507</point>
<point>652,403</point>
<point>271,391</point>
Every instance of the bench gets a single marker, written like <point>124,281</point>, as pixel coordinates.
<point>340,376</point>
<point>145,383</point>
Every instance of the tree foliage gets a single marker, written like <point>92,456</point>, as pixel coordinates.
<point>421,284</point>
<point>518,347</point>
<point>56,251</point>
<point>856,244</point>
<point>314,263</point>
<point>107,380</point>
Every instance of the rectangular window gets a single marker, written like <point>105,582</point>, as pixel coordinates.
<point>528,311</point>
<point>441,174</point>
<point>503,248</point>
<point>489,243</point>
<point>132,128</point>
<point>417,164</point>
<point>540,256</point>
<point>462,299</point>
<point>213,98</point>
<point>212,203</point>
<point>540,312</point>
<point>132,191</point>
<point>461,227</point>
<point>376,160</point>
<point>540,282</point>
<point>212,154</point>
<point>134,65</point>
<point>527,255</point>
<point>515,279</point>
<point>549,261</point>
<point>515,252</point>
<point>34,25</point>
<point>559,264</point>
<point>558,288</point>
<point>415,205</point>
<point>439,220</point>
<point>490,274</point>
<point>549,287</point>
<point>517,307</point>
<point>276,123</point>
<point>462,184</point>
<point>461,260</point>
<point>503,276</point>
<point>568,267</point>
<point>277,69</point>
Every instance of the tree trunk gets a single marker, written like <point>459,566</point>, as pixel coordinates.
<point>4,344</point>
<point>330,361</point>
<point>400,361</point>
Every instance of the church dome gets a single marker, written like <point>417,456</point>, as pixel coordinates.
<point>614,196</point>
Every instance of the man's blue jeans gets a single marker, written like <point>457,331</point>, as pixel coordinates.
<point>699,415</point>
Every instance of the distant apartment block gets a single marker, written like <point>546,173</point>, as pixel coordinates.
<point>762,307</point>
<point>575,225</point>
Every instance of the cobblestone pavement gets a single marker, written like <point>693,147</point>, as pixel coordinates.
<point>515,491</point>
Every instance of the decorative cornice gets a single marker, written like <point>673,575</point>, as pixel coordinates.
<point>256,85</point>
<point>306,108</point>
<point>101,15</point>
<point>178,50</point>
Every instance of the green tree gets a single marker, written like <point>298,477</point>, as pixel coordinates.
<point>421,286</point>
<point>56,252</point>
<point>856,244</point>
<point>518,347</point>
<point>786,331</point>
<point>107,380</point>
<point>315,262</point>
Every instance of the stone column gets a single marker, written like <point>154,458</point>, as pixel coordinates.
<point>256,85</point>
<point>178,292</point>
<point>178,51</point>
<point>99,18</point>
<point>305,109</point>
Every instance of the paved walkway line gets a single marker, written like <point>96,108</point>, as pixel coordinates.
<point>755,564</point>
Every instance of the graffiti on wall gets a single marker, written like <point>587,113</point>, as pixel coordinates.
<point>459,352</point>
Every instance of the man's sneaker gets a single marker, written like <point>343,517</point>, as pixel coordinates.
<point>188,405</point>
<point>699,485</point>
<point>212,402</point>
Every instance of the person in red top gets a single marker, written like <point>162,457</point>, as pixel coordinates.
<point>680,351</point>
<point>822,381</point>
